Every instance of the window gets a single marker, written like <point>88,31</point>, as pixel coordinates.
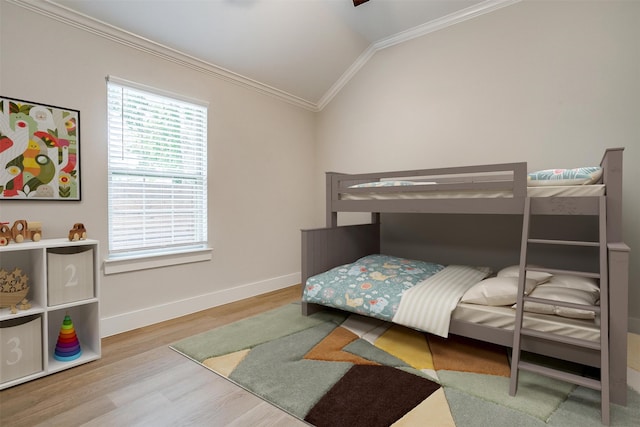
<point>157,172</point>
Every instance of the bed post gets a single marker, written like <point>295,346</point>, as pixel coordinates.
<point>612,178</point>
<point>618,254</point>
<point>618,320</point>
<point>332,216</point>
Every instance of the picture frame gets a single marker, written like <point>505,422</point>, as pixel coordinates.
<point>39,151</point>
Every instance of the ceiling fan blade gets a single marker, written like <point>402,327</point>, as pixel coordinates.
<point>359,2</point>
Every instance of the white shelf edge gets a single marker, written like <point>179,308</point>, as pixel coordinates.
<point>24,379</point>
<point>57,365</point>
<point>45,244</point>
<point>67,305</point>
<point>5,313</point>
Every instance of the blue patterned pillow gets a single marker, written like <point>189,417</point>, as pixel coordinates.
<point>577,176</point>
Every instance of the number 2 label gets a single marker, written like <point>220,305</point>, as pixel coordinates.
<point>73,279</point>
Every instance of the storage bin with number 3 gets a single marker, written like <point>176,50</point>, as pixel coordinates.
<point>21,349</point>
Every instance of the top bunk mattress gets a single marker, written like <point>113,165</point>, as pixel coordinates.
<point>542,191</point>
<point>506,181</point>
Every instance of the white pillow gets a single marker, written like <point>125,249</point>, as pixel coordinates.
<point>559,293</point>
<point>575,282</point>
<point>514,271</point>
<point>577,176</point>
<point>496,291</point>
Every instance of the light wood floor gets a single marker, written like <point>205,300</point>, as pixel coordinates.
<point>140,381</point>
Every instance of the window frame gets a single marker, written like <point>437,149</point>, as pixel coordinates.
<point>141,258</point>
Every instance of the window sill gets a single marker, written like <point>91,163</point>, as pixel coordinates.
<point>123,265</point>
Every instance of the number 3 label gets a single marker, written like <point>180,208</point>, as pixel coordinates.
<point>15,349</point>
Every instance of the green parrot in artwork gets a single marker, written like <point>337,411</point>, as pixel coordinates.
<point>47,172</point>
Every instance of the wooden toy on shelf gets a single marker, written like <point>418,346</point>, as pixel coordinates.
<point>78,232</point>
<point>23,229</point>
<point>5,234</point>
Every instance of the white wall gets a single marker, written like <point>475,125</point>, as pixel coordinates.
<point>552,83</point>
<point>260,153</point>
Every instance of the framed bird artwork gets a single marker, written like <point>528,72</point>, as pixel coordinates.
<point>39,151</point>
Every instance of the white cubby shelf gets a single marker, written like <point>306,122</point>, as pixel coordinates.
<point>58,286</point>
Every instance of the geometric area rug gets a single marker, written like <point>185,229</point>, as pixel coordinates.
<point>335,369</point>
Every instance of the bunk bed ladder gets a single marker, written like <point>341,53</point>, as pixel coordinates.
<point>603,346</point>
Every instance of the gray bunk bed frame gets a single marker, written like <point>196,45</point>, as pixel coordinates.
<point>332,246</point>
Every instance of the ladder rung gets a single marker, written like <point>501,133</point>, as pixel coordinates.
<point>561,375</point>
<point>549,336</point>
<point>564,242</point>
<point>558,271</point>
<point>594,308</point>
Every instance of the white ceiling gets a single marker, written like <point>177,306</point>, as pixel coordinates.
<point>304,50</point>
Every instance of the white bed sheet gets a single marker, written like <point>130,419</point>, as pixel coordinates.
<point>543,191</point>
<point>504,318</point>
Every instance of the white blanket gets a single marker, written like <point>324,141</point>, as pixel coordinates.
<point>428,305</point>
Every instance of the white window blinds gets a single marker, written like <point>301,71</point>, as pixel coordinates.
<point>157,171</point>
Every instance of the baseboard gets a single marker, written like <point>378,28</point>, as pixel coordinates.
<point>136,319</point>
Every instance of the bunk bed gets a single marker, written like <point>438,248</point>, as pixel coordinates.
<point>499,189</point>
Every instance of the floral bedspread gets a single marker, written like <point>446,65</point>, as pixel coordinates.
<point>372,286</point>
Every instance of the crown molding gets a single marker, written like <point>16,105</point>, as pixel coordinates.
<point>444,22</point>
<point>346,76</point>
<point>412,33</point>
<point>83,22</point>
<point>70,17</point>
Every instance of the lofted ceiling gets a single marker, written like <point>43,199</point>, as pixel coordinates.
<point>301,50</point>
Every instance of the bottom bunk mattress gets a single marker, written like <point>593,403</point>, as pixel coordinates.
<point>505,317</point>
<point>426,296</point>
<point>412,293</point>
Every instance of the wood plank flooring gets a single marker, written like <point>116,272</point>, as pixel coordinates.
<point>140,381</point>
